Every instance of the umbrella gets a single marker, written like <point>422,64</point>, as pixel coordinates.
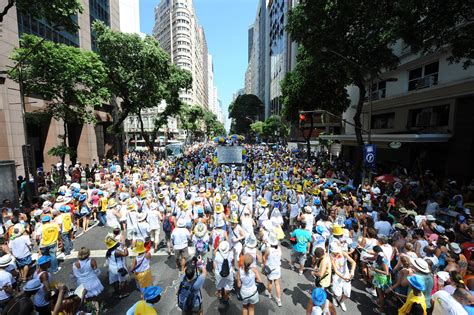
<point>387,178</point>
<point>219,139</point>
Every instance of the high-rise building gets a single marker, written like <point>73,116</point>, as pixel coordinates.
<point>130,16</point>
<point>179,33</point>
<point>16,128</point>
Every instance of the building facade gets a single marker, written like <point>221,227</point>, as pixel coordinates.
<point>18,125</point>
<point>420,114</point>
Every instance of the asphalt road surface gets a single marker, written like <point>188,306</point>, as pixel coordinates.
<point>294,298</point>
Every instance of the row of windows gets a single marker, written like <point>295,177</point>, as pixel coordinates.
<point>41,28</point>
<point>182,42</point>
<point>181,21</point>
<point>99,10</point>
<point>425,117</point>
<point>182,14</point>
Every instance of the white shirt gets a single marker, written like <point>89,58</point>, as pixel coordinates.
<point>445,304</point>
<point>154,219</point>
<point>179,237</point>
<point>6,279</point>
<point>20,246</point>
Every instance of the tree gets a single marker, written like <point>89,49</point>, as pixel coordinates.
<point>213,127</point>
<point>313,84</point>
<point>57,12</point>
<point>257,128</point>
<point>355,36</point>
<point>274,128</point>
<point>243,111</point>
<point>142,75</point>
<point>72,82</point>
<point>192,120</point>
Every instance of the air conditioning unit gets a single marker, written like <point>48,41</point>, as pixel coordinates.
<point>425,82</point>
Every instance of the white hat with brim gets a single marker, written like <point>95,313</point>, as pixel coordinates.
<point>443,275</point>
<point>420,264</point>
<point>251,242</point>
<point>5,260</point>
<point>181,223</point>
<point>224,247</point>
<point>141,216</point>
<point>455,248</point>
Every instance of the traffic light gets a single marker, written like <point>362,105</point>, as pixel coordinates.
<point>302,120</point>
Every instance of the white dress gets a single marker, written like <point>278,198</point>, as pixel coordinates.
<point>274,263</point>
<point>88,277</point>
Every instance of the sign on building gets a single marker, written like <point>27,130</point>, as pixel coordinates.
<point>369,155</point>
<point>229,155</point>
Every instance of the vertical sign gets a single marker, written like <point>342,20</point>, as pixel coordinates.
<point>369,155</point>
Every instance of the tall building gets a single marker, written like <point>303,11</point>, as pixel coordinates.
<point>178,31</point>
<point>272,53</point>
<point>130,16</point>
<point>16,128</point>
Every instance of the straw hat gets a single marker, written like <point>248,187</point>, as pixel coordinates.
<point>337,230</point>
<point>141,216</point>
<point>224,247</point>
<point>234,218</point>
<point>139,247</point>
<point>264,203</point>
<point>219,208</point>
<point>5,260</point>
<point>181,223</point>
<point>251,242</point>
<point>276,198</point>
<point>233,197</point>
<point>112,204</point>
<point>420,264</point>
<point>299,189</point>
<point>308,209</point>
<point>244,200</point>
<point>132,207</point>
<point>110,241</point>
<point>200,230</point>
<point>219,222</point>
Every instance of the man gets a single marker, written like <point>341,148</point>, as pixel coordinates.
<point>22,304</point>
<point>341,279</point>
<point>6,280</point>
<point>101,212</point>
<point>302,240</point>
<point>49,241</point>
<point>423,272</point>
<point>20,246</point>
<point>189,293</point>
<point>179,239</point>
<point>444,303</point>
<point>65,223</point>
<point>415,303</point>
<point>151,295</point>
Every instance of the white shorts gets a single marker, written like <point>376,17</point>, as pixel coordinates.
<point>340,286</point>
<point>275,274</point>
<point>155,235</point>
<point>225,283</point>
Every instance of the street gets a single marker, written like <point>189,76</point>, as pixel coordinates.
<point>294,296</point>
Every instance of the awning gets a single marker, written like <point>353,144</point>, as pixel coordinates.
<point>350,139</point>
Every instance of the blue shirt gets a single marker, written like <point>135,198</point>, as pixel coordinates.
<point>302,239</point>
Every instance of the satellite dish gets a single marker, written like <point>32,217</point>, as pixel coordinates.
<point>395,145</point>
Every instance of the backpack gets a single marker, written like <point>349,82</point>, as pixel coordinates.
<point>187,295</point>
<point>167,225</point>
<point>225,270</point>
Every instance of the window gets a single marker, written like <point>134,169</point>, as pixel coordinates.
<point>423,77</point>
<point>433,116</point>
<point>383,121</point>
<point>378,91</point>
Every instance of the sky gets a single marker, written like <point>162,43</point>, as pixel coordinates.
<point>226,24</point>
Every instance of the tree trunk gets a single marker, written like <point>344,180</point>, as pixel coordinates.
<point>118,118</point>
<point>145,136</point>
<point>62,174</point>
<point>358,133</point>
<point>5,10</point>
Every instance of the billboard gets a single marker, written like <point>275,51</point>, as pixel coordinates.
<point>229,155</point>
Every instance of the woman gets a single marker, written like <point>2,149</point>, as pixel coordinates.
<point>67,302</point>
<point>400,287</point>
<point>318,304</point>
<point>141,266</point>
<point>272,265</point>
<point>246,281</point>
<point>341,281</point>
<point>86,273</point>
<point>83,213</point>
<point>367,254</point>
<point>224,274</point>
<point>118,272</point>
<point>247,223</point>
<point>381,276</point>
<point>323,268</point>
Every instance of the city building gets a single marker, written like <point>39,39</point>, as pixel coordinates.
<point>130,17</point>
<point>272,53</point>
<point>419,114</point>
<point>17,128</point>
<point>179,33</point>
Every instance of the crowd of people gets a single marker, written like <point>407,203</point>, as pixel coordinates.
<point>408,237</point>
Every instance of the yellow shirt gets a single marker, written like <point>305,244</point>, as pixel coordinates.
<point>66,222</point>
<point>49,234</point>
<point>103,204</point>
<point>143,308</point>
<point>412,298</point>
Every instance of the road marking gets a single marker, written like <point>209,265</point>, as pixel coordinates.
<point>100,253</point>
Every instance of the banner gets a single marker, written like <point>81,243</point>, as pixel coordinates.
<point>369,155</point>
<point>229,155</point>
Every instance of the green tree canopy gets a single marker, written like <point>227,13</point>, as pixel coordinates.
<point>72,81</point>
<point>57,12</point>
<point>274,128</point>
<point>212,125</point>
<point>141,74</point>
<point>243,112</point>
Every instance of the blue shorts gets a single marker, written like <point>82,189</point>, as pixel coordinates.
<point>22,262</point>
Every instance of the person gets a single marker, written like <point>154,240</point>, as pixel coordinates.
<point>86,273</point>
<point>341,279</point>
<point>272,261</point>
<point>67,302</point>
<point>65,224</point>
<point>151,295</point>
<point>423,270</point>
<point>415,303</point>
<point>236,234</point>
<point>115,256</point>
<point>318,304</point>
<point>179,238</point>
<point>6,281</point>
<point>403,270</point>
<point>141,266</point>
<point>49,241</point>
<point>246,282</point>
<point>41,299</point>
<point>154,219</point>
<point>224,273</point>
<point>189,292</point>
<point>381,277</point>
<point>20,246</point>
<point>300,247</point>
<point>22,304</point>
<point>322,272</point>
<point>445,303</point>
